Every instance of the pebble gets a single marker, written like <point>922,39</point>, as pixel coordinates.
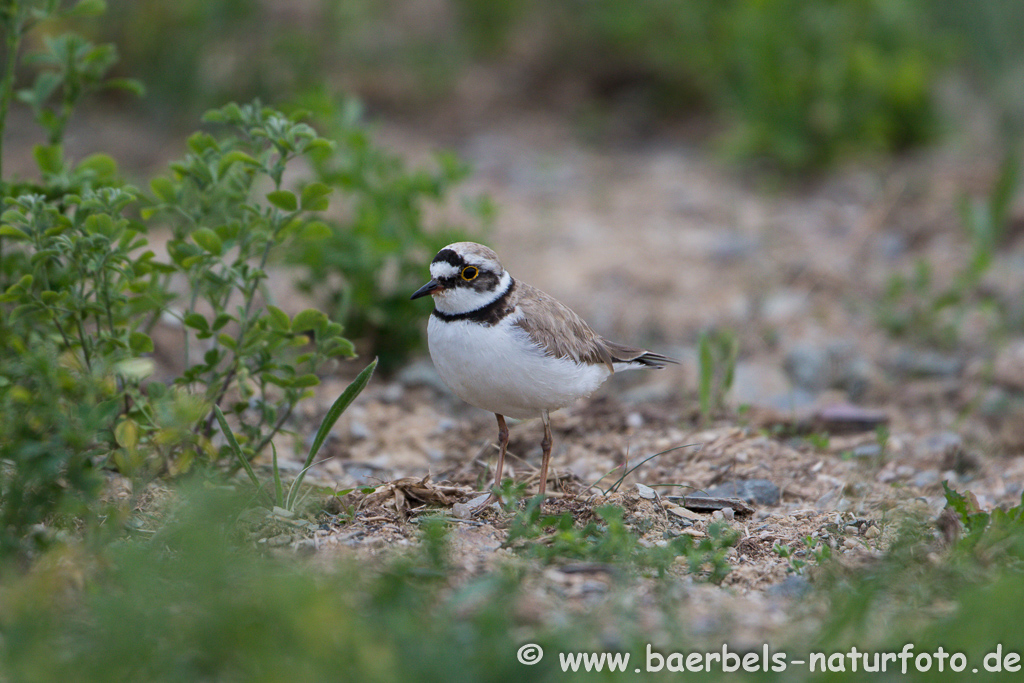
<point>422,373</point>
<point>683,513</point>
<point>941,443</point>
<point>791,587</point>
<point>359,430</point>
<point>1008,367</point>
<point>835,366</point>
<point>634,420</point>
<point>868,450</point>
<point>872,532</point>
<point>926,478</point>
<point>392,393</point>
<point>755,491</point>
<point>646,492</point>
<point>466,510</point>
<point>728,513</point>
<point>922,363</point>
<point>445,424</point>
<point>592,586</point>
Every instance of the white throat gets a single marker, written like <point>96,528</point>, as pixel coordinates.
<point>459,300</point>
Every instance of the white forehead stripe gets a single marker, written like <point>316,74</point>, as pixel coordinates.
<point>442,269</point>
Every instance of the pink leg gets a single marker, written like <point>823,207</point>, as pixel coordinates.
<point>545,446</point>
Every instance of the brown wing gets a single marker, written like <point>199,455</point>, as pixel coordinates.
<point>557,329</point>
<point>563,334</point>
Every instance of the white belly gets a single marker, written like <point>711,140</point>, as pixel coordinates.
<point>498,368</point>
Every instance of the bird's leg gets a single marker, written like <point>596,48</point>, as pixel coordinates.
<point>502,447</point>
<point>545,446</point>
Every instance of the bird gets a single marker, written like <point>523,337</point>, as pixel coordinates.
<point>506,347</point>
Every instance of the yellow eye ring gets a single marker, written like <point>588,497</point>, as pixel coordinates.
<point>469,273</point>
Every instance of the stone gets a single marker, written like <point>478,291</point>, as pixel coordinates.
<point>754,491</point>
<point>422,373</point>
<point>792,587</point>
<point>646,492</point>
<point>924,363</point>
<point>1008,368</point>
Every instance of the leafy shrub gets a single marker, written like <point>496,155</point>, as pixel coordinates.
<point>79,274</point>
<point>798,83</point>
<point>376,252</point>
<point>54,419</point>
<point>80,293</point>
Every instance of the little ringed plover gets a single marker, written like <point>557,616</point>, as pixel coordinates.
<point>509,348</point>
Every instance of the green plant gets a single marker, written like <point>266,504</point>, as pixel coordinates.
<point>374,253</point>
<point>797,84</point>
<point>989,537</point>
<point>916,307</point>
<point>256,360</point>
<point>279,499</point>
<point>78,284</point>
<point>78,273</point>
<point>54,419</point>
<point>716,353</point>
<point>72,65</point>
<point>607,538</point>
<point>816,552</point>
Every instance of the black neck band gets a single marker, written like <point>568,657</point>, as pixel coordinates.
<point>488,314</point>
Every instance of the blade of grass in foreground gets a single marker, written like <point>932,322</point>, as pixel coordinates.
<point>346,398</point>
<point>235,448</point>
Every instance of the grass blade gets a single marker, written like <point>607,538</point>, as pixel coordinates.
<point>346,398</point>
<point>278,488</point>
<point>235,448</point>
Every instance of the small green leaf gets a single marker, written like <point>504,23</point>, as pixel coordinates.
<point>11,231</point>
<point>309,319</point>
<point>315,230</point>
<point>87,8</point>
<point>140,342</point>
<point>279,319</point>
<point>103,165</point>
<point>100,224</point>
<point>221,320</point>
<point>314,197</point>
<point>233,157</point>
<point>127,434</point>
<point>163,188</point>
<point>49,158</point>
<point>208,240</point>
<point>283,199</point>
<point>302,381</point>
<point>132,85</point>
<point>22,284</point>
<point>197,322</point>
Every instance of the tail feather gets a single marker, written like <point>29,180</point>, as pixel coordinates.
<point>635,357</point>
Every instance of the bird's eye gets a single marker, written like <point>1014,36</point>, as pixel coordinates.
<point>469,273</point>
